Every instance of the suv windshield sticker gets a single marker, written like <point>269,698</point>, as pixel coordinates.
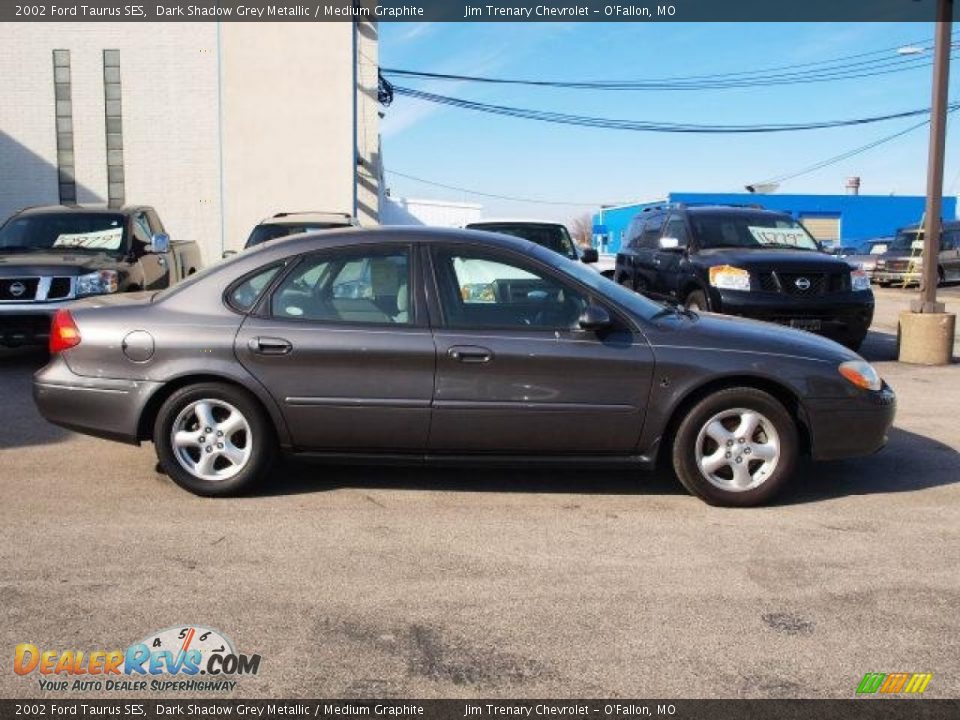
<point>109,239</point>
<point>795,236</point>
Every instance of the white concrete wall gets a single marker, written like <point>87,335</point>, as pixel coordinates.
<point>276,99</point>
<point>436,213</point>
<point>287,121</point>
<point>170,121</point>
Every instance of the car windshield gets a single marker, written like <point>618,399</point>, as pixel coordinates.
<point>553,237</point>
<point>750,231</point>
<point>84,232</point>
<point>907,241</point>
<point>271,231</point>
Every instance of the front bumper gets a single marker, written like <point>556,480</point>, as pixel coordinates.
<point>26,323</point>
<point>850,427</point>
<point>844,317</point>
<point>103,407</point>
<point>895,277</point>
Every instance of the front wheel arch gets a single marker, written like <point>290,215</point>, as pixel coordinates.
<point>784,394</point>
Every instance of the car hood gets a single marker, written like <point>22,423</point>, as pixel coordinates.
<point>703,330</point>
<point>783,260</point>
<point>53,263</point>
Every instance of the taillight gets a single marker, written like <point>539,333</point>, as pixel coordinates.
<point>64,333</point>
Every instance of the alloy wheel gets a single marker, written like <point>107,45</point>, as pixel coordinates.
<point>211,439</point>
<point>737,450</point>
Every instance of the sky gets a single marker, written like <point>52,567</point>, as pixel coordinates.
<point>584,167</point>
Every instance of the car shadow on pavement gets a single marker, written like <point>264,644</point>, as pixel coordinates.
<point>20,422</point>
<point>909,463</point>
<point>297,476</point>
<point>879,346</point>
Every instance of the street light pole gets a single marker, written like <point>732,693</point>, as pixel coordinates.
<point>938,127</point>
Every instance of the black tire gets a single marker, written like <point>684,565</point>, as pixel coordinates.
<point>855,343</point>
<point>262,439</point>
<point>697,300</point>
<point>685,447</point>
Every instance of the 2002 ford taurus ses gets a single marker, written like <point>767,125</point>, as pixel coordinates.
<point>401,344</point>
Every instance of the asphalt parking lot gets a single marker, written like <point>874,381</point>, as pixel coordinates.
<point>360,582</point>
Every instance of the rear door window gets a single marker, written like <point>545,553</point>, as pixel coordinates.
<point>367,286</point>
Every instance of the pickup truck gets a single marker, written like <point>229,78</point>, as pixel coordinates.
<point>52,255</point>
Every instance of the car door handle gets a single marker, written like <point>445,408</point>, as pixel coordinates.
<point>270,346</point>
<point>470,354</point>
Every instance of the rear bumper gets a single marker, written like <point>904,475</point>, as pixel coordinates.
<point>845,317</point>
<point>850,427</point>
<point>102,407</point>
<point>26,323</point>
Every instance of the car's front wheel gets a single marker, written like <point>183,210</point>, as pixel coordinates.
<point>736,447</point>
<point>697,301</point>
<point>213,439</point>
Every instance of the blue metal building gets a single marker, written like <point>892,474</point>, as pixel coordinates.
<point>847,219</point>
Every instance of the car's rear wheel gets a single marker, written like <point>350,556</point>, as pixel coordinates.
<point>736,447</point>
<point>213,439</point>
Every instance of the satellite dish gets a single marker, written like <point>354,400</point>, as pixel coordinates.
<point>763,188</point>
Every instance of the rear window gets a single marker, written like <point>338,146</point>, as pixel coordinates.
<point>552,237</point>
<point>263,233</point>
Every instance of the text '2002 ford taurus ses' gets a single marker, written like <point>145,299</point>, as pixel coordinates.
<point>400,344</point>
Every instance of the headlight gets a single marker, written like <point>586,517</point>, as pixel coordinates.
<point>861,374</point>
<point>728,277</point>
<point>98,283</point>
<point>860,280</point>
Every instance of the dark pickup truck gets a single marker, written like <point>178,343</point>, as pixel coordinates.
<point>745,261</point>
<point>52,255</point>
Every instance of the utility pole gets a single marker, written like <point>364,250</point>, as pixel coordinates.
<point>938,130</point>
<point>927,330</point>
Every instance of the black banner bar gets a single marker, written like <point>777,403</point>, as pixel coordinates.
<point>855,709</point>
<point>470,10</point>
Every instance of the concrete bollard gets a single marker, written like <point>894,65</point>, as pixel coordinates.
<point>926,338</point>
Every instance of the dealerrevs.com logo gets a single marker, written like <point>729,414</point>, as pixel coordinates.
<point>186,658</point>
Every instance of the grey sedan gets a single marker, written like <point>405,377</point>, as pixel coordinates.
<point>410,344</point>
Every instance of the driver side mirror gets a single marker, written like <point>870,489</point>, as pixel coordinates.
<point>159,244</point>
<point>670,243</point>
<point>595,318</point>
<point>590,255</point>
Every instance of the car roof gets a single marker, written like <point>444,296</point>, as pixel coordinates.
<point>293,218</point>
<point>79,209</point>
<point>513,221</point>
<point>732,210</point>
<point>416,234</point>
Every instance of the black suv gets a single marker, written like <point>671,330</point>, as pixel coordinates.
<point>745,261</point>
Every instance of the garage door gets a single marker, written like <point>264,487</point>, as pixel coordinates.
<point>824,229</point>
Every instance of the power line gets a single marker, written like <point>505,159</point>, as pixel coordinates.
<point>480,193</point>
<point>848,154</point>
<point>645,125</point>
<point>801,73</point>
